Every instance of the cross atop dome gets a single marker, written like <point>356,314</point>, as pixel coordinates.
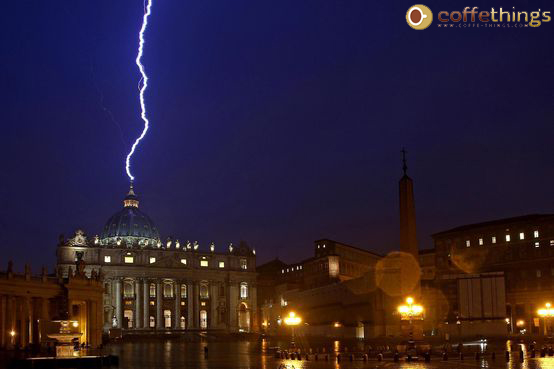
<point>131,200</point>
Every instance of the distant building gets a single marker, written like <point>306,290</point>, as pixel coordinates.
<point>519,251</point>
<point>153,285</point>
<point>30,303</point>
<point>331,290</point>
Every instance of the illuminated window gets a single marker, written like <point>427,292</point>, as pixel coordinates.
<point>536,234</point>
<point>481,242</point>
<point>222,264</point>
<point>129,260</point>
<point>152,303</point>
<point>203,303</point>
<point>182,303</point>
<point>243,290</point>
<point>152,290</point>
<point>537,244</point>
<point>168,289</point>
<point>183,291</point>
<point>204,294</point>
<point>204,263</point>
<point>243,264</point>
<point>282,271</point>
<point>508,238</point>
<point>128,289</point>
<point>521,235</point>
<point>551,242</point>
<point>468,243</point>
<point>493,240</point>
<point>184,261</point>
<point>152,260</point>
<point>323,245</point>
<point>152,322</point>
<point>107,259</point>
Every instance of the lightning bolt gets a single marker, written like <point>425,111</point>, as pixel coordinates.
<point>143,84</point>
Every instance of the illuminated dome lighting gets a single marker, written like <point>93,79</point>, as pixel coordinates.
<point>130,225</point>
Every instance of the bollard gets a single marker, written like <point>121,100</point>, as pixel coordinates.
<point>533,353</point>
<point>326,357</point>
<point>307,357</point>
<point>507,355</point>
<point>461,356</point>
<point>550,351</point>
<point>315,357</point>
<point>338,358</point>
<point>521,356</point>
<point>445,356</point>
<point>351,357</point>
<point>365,357</point>
<point>409,358</point>
<point>379,357</point>
<point>543,352</point>
<point>427,357</point>
<point>396,357</point>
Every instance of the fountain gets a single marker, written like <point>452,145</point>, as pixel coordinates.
<point>65,338</point>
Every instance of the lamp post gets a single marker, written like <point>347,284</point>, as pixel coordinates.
<point>292,320</point>
<point>410,312</point>
<point>546,313</point>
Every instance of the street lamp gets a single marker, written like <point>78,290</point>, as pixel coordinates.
<point>410,312</point>
<point>292,320</point>
<point>546,313</point>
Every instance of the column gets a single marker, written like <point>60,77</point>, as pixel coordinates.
<point>137,316</point>
<point>3,325</point>
<point>22,320</point>
<point>159,313</point>
<point>196,305</point>
<point>233,305</point>
<point>118,310</point>
<point>146,303</point>
<point>177,312</point>
<point>190,308</point>
<point>213,304</point>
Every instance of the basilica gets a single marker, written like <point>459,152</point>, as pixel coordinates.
<point>155,285</point>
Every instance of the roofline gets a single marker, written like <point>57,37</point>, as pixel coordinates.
<point>354,247</point>
<point>518,219</point>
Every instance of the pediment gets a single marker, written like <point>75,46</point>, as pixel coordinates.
<point>167,262</point>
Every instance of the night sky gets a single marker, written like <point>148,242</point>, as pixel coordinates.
<point>275,122</point>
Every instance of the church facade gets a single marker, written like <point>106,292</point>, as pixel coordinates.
<point>154,285</point>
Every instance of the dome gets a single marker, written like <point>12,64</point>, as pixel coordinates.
<point>130,224</point>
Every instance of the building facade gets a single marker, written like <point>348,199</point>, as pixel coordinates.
<point>30,305</point>
<point>155,285</point>
<point>520,250</point>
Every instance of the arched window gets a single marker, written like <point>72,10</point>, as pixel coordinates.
<point>152,290</point>
<point>183,323</point>
<point>244,290</point>
<point>167,318</point>
<point>168,289</point>
<point>203,319</point>
<point>204,294</point>
<point>128,290</point>
<point>183,291</point>
<point>152,322</point>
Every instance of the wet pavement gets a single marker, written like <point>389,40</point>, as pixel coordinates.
<point>257,355</point>
<point>159,353</point>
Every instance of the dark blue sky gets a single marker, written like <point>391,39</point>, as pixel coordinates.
<point>274,122</point>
